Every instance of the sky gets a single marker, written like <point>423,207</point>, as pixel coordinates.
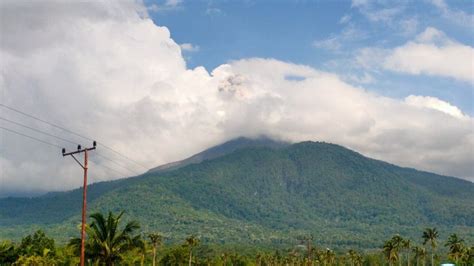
<point>158,81</point>
<point>327,35</point>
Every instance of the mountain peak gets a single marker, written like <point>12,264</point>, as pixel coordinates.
<point>222,149</point>
<point>258,190</point>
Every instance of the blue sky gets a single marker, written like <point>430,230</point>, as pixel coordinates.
<point>327,35</point>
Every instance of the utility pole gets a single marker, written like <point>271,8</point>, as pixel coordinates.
<point>84,193</point>
<point>308,239</point>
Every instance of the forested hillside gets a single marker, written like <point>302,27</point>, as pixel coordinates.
<point>266,195</point>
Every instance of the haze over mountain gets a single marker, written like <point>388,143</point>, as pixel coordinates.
<point>265,192</point>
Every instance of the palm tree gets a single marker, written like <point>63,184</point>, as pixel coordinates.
<point>292,258</point>
<point>456,247</point>
<point>329,257</point>
<point>258,259</point>
<point>106,242</point>
<point>390,250</point>
<point>397,242</point>
<point>156,241</point>
<point>224,257</point>
<point>467,256</point>
<point>359,260</point>
<point>431,235</point>
<point>406,245</point>
<point>191,242</point>
<point>420,252</point>
<point>8,253</point>
<point>354,257</point>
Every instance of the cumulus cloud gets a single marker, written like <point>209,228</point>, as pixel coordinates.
<point>364,78</point>
<point>430,53</point>
<point>433,53</point>
<point>107,71</point>
<point>189,47</point>
<point>436,104</point>
<point>166,6</point>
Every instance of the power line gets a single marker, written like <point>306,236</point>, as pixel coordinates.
<point>124,156</point>
<point>108,159</point>
<point>66,140</point>
<point>74,133</point>
<point>105,166</point>
<point>37,130</point>
<point>30,137</point>
<point>46,122</point>
<point>54,145</point>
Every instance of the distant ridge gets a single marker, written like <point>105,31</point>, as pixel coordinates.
<point>220,150</point>
<point>265,192</point>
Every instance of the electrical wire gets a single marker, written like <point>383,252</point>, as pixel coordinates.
<point>114,170</point>
<point>54,145</point>
<point>37,130</point>
<point>72,132</point>
<point>124,156</point>
<point>46,122</point>
<point>60,138</point>
<point>114,162</point>
<point>28,136</point>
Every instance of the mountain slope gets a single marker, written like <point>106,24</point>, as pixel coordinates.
<point>268,195</point>
<point>220,150</point>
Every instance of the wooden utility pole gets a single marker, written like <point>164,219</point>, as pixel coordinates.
<point>309,249</point>
<point>84,193</point>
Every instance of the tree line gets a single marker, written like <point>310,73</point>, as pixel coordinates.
<point>111,243</point>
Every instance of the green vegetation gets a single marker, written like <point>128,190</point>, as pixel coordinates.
<point>221,150</point>
<point>431,235</point>
<point>110,243</point>
<point>156,240</point>
<point>265,197</point>
<point>106,241</point>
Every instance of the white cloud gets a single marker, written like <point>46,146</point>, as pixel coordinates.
<point>457,16</point>
<point>409,26</point>
<point>358,3</point>
<point>166,6</point>
<point>365,78</point>
<point>336,41</point>
<point>432,53</point>
<point>378,11</point>
<point>345,19</point>
<point>110,73</point>
<point>435,104</point>
<point>431,35</point>
<point>214,11</point>
<point>173,3</point>
<point>189,47</point>
<point>370,58</point>
<point>332,43</point>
